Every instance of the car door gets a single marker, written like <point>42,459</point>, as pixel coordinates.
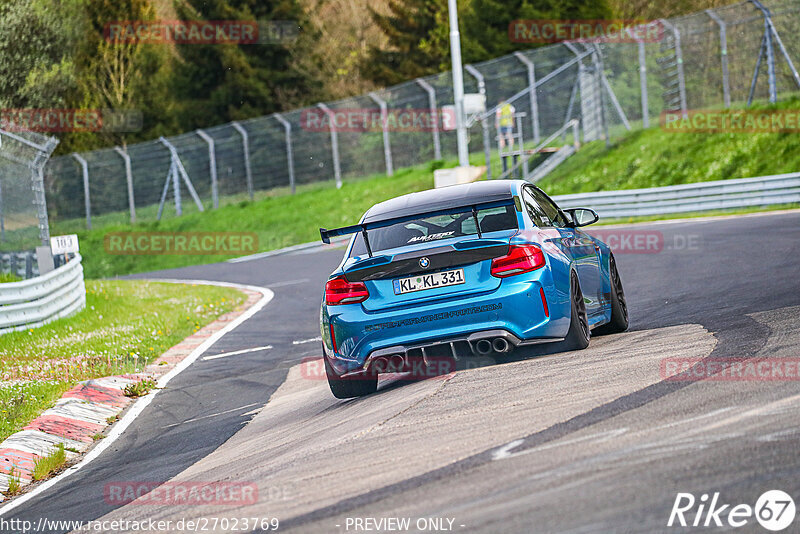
<point>579,246</point>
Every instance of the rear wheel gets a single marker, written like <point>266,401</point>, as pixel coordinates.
<point>619,307</point>
<point>578,333</point>
<point>346,388</point>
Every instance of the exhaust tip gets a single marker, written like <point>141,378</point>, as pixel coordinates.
<point>396,363</point>
<point>483,346</point>
<point>500,345</point>
<point>380,365</point>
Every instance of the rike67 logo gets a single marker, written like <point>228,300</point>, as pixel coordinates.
<point>774,510</point>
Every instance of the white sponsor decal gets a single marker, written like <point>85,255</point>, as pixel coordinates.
<point>431,237</point>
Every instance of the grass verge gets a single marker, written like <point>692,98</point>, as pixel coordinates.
<point>14,483</point>
<point>43,467</point>
<point>111,336</point>
<point>140,388</point>
<point>655,158</point>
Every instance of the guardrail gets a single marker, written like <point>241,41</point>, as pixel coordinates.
<point>37,301</point>
<point>686,198</point>
<point>21,264</point>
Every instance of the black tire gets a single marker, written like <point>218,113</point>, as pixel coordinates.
<point>347,388</point>
<point>619,307</point>
<point>578,334</point>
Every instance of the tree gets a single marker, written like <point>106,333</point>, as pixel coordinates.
<point>122,76</point>
<point>331,50</point>
<point>414,46</point>
<point>486,22</point>
<point>419,38</point>
<point>35,54</point>
<point>221,82</point>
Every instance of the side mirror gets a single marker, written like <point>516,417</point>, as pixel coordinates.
<point>582,216</point>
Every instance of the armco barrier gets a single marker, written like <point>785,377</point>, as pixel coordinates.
<point>21,264</point>
<point>40,300</point>
<point>686,198</point>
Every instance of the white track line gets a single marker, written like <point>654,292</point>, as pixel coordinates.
<point>290,282</point>
<point>312,246</point>
<point>236,352</point>
<point>304,341</point>
<point>209,416</point>
<point>138,407</point>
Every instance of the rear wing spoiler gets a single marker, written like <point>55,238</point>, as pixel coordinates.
<point>363,228</point>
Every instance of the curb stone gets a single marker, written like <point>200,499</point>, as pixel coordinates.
<point>84,410</point>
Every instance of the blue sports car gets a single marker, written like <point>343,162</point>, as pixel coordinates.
<point>472,269</point>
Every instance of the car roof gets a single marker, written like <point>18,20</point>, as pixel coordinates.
<point>454,196</point>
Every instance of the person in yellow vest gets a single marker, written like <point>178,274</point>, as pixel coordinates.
<point>504,122</point>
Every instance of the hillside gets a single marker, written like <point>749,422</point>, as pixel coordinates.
<point>654,157</point>
<point>646,158</point>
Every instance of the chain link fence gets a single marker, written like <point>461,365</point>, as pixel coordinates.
<point>23,210</point>
<point>702,61</point>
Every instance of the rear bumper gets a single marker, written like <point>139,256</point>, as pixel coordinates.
<point>400,358</point>
<point>513,311</point>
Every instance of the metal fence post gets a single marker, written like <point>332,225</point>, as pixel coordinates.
<point>607,85</point>
<point>387,147</point>
<point>534,100</point>
<point>86,200</point>
<point>337,169</point>
<point>129,180</point>
<point>786,56</point>
<point>576,140</point>
<point>598,74</point>
<point>756,71</point>
<point>2,218</point>
<point>766,45</point>
<point>676,35</point>
<point>575,86</point>
<point>437,144</point>
<point>212,166</point>
<point>287,126</point>
<point>643,84</point>
<point>484,120</point>
<point>723,55</point>
<point>39,197</point>
<point>176,168</point>
<point>246,150</point>
<point>176,187</point>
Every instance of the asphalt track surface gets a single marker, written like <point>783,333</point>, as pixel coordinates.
<point>588,441</point>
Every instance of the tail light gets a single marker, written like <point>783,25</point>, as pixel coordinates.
<point>520,259</point>
<point>340,291</point>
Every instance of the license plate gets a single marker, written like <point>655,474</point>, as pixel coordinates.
<point>422,282</point>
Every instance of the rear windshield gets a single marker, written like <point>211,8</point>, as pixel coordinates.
<point>429,229</point>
